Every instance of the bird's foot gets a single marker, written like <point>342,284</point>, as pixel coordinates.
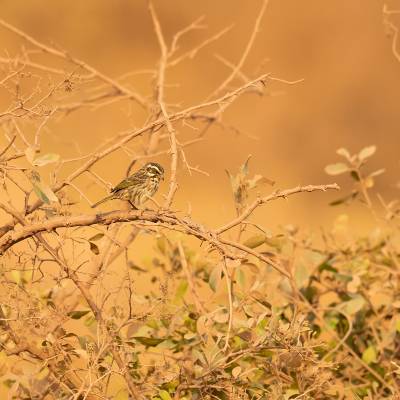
<point>133,206</point>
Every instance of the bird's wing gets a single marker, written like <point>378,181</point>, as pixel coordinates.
<point>131,181</point>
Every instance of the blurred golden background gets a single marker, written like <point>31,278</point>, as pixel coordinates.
<point>336,83</point>
<point>349,96</point>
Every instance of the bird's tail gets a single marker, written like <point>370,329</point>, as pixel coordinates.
<point>103,200</point>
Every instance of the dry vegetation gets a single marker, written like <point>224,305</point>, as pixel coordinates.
<point>232,312</point>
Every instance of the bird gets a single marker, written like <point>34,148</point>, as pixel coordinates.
<point>138,187</point>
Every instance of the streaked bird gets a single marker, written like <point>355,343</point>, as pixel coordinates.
<point>138,187</point>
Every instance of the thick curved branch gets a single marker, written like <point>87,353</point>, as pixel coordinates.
<point>163,218</point>
<point>166,219</point>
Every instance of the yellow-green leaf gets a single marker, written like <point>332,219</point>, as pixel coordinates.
<point>17,276</point>
<point>48,192</point>
<point>336,169</point>
<point>343,152</point>
<point>94,249</point>
<point>78,314</point>
<point>121,395</point>
<point>42,190</point>
<point>215,277</point>
<point>46,159</point>
<point>301,275</point>
<point>255,241</point>
<point>162,244</point>
<point>8,383</point>
<point>236,371</point>
<point>97,236</point>
<point>366,152</point>
<point>43,373</point>
<point>148,341</point>
<point>39,193</point>
<point>30,154</point>
<point>290,393</point>
<point>181,290</point>
<point>240,277</point>
<point>369,355</point>
<point>354,305</point>
<point>164,395</point>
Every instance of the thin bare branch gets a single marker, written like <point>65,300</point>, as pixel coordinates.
<point>173,186</point>
<point>245,53</point>
<point>67,57</point>
<point>274,196</point>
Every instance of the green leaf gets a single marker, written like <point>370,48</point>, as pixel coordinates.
<point>162,244</point>
<point>345,199</point>
<point>46,159</point>
<point>343,152</point>
<point>327,266</point>
<point>236,371</point>
<point>369,355</point>
<point>355,176</point>
<point>354,305</point>
<point>78,314</point>
<point>39,193</point>
<point>43,191</point>
<point>48,192</point>
<point>94,249</point>
<point>97,236</point>
<point>17,276</point>
<point>377,173</point>
<point>301,275</point>
<point>164,395</point>
<point>34,176</point>
<point>255,241</point>
<point>366,152</point>
<point>251,267</point>
<point>259,179</point>
<point>30,154</point>
<point>89,321</point>
<point>181,290</point>
<point>240,277</point>
<point>290,393</point>
<point>9,382</point>
<point>231,178</point>
<point>336,169</point>
<point>215,277</point>
<point>148,341</point>
<point>43,373</point>
<point>153,324</point>
<point>135,267</point>
<point>122,395</point>
<point>245,167</point>
<point>83,341</point>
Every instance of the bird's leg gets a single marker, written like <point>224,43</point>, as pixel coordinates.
<point>133,206</point>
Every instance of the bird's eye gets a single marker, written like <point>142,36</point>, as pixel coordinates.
<point>152,169</point>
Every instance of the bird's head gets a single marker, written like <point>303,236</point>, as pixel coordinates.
<point>154,169</point>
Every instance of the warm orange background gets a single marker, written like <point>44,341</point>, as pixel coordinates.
<point>349,97</point>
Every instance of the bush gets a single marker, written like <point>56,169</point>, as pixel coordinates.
<point>266,315</point>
